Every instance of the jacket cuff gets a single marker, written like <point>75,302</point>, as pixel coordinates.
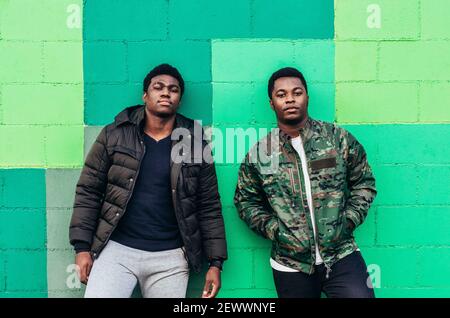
<point>354,217</point>
<point>81,246</point>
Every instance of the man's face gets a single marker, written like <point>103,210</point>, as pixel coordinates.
<point>163,95</point>
<point>289,100</point>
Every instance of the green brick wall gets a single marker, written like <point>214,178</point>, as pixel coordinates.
<point>390,86</point>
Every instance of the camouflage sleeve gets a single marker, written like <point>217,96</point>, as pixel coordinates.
<point>251,202</point>
<point>360,181</point>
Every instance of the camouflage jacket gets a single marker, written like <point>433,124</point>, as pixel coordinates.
<point>271,198</point>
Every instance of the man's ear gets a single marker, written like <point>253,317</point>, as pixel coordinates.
<point>271,104</point>
<point>144,96</point>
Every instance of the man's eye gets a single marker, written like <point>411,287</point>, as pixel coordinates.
<point>174,90</point>
<point>280,95</point>
<point>157,87</point>
<point>298,93</point>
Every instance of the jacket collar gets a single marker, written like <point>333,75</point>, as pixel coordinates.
<point>305,132</point>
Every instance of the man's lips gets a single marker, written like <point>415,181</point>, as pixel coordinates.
<point>290,108</point>
<point>164,102</point>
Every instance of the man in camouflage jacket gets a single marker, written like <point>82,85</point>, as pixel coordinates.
<point>308,208</point>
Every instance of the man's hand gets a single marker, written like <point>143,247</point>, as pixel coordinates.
<point>212,283</point>
<point>83,260</point>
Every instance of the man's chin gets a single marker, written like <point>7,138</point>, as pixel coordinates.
<point>292,121</point>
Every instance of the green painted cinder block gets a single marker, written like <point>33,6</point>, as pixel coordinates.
<point>196,102</point>
<point>426,60</point>
<point>394,142</point>
<point>368,137</point>
<point>2,273</point>
<point>239,235</point>
<point>22,228</point>
<point>130,20</point>
<point>104,62</point>
<point>233,103</point>
<point>397,267</point>
<point>64,146</point>
<point>321,101</point>
<point>356,61</point>
<point>58,221</point>
<point>63,62</point>
<point>45,19</point>
<point>434,187</point>
<point>247,293</point>
<point>20,61</point>
<point>26,271</point>
<point>52,104</point>
<point>263,269</point>
<point>434,18</point>
<point>420,226</point>
<point>399,19</point>
<point>31,151</point>
<point>434,270</point>
<point>90,135</point>
<point>396,184</point>
<point>24,294</point>
<point>204,19</point>
<point>434,101</point>
<point>61,273</point>
<point>227,180</point>
<point>23,188</point>
<point>315,59</point>
<point>366,233</point>
<point>191,58</point>
<point>373,102</point>
<point>237,273</point>
<point>300,19</point>
<point>60,187</point>
<point>413,292</point>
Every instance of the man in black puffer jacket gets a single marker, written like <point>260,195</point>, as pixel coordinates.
<point>147,207</point>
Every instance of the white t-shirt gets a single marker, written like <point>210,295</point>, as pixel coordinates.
<point>298,146</point>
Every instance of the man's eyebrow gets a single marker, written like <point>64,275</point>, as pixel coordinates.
<point>170,85</point>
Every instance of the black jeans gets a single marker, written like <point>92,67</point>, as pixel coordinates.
<point>348,279</point>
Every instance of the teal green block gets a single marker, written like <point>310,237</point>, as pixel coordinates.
<point>197,282</point>
<point>31,152</point>
<point>262,112</point>
<point>434,101</point>
<point>45,19</point>
<point>26,271</point>
<point>90,135</point>
<point>299,19</point>
<point>236,272</point>
<point>434,185</point>
<point>263,270</point>
<point>356,61</point>
<point>197,102</point>
<point>247,293</point>
<point>23,188</point>
<point>413,293</point>
<point>63,62</point>
<point>61,274</point>
<point>58,221</point>
<point>396,184</point>
<point>315,59</point>
<point>17,109</point>
<point>365,233</point>
<point>368,137</point>
<point>22,228</point>
<point>2,273</point>
<point>227,180</point>
<point>20,61</point>
<point>105,101</point>
<point>105,62</point>
<point>426,149</point>
<point>239,235</point>
<point>399,19</point>
<point>131,20</point>
<point>191,58</point>
<point>233,103</point>
<point>397,267</point>
<point>24,294</point>
<point>204,19</point>
<point>364,102</point>
<point>434,19</point>
<point>60,187</point>
<point>419,226</point>
<point>434,269</point>
<point>234,60</point>
<point>426,60</point>
<point>64,146</point>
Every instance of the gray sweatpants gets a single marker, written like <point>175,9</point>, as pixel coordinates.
<point>119,268</point>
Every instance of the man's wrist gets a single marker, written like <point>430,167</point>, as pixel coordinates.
<point>216,263</point>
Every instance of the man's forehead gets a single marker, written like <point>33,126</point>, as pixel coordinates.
<point>288,81</point>
<point>165,79</point>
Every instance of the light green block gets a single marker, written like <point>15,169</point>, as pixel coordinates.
<point>63,62</point>
<point>61,275</point>
<point>20,62</point>
<point>58,221</point>
<point>434,269</point>
<point>237,273</point>
<point>44,19</point>
<point>356,61</point>
<point>60,187</point>
<point>64,146</point>
<point>365,233</point>
<point>424,60</point>
<point>434,102</point>
<point>434,18</point>
<point>399,19</point>
<point>315,59</point>
<point>376,102</point>
<point>249,60</point>
<point>396,184</point>
<point>31,151</point>
<point>263,270</point>
<point>233,102</point>
<point>50,104</point>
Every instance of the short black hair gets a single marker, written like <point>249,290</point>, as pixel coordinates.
<point>164,69</point>
<point>285,72</point>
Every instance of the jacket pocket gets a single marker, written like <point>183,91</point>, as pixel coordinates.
<point>118,149</point>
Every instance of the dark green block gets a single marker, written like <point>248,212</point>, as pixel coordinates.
<point>23,188</point>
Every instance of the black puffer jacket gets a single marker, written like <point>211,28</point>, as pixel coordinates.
<point>107,181</point>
